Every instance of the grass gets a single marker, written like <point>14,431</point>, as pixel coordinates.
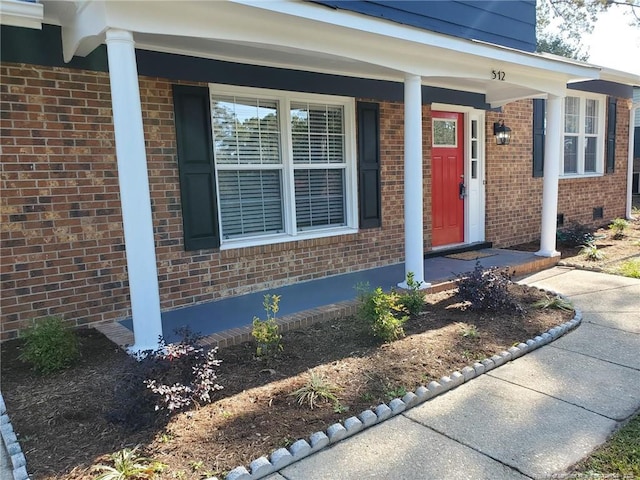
<point>630,268</point>
<point>619,456</point>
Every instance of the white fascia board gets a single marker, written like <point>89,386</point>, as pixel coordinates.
<point>21,14</point>
<point>619,76</point>
<point>355,21</point>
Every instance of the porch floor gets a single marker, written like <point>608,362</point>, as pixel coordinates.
<point>228,321</point>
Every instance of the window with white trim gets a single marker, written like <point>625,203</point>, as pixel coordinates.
<point>584,120</point>
<point>284,164</point>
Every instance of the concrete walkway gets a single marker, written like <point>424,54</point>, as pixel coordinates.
<point>531,418</point>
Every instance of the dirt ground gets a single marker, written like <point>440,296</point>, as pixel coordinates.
<point>615,250</point>
<point>61,419</point>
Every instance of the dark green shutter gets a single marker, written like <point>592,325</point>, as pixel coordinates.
<point>195,162</point>
<point>611,135</point>
<point>538,137</point>
<point>369,194</point>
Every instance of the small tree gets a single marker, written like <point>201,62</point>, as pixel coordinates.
<point>266,332</point>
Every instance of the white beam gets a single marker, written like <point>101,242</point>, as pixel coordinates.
<point>413,223</point>
<point>134,190</point>
<point>552,159</point>
<point>18,13</point>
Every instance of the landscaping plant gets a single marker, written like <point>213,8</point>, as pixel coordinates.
<point>315,390</point>
<point>554,302</point>
<point>128,465</point>
<point>49,347</point>
<point>166,380</point>
<point>619,225</point>
<point>384,313</point>
<point>266,332</point>
<point>412,298</point>
<point>488,289</point>
<point>592,253</point>
<point>575,235</point>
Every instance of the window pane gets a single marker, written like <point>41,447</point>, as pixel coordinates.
<point>317,133</point>
<point>591,144</point>
<point>250,202</point>
<point>591,117</point>
<point>319,198</point>
<point>571,115</point>
<point>245,131</point>
<point>570,154</point>
<point>444,133</point>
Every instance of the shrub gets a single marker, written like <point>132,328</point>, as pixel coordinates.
<point>266,332</point>
<point>592,253</point>
<point>384,313</point>
<point>316,389</point>
<point>619,225</point>
<point>49,346</point>
<point>413,298</point>
<point>167,380</point>
<point>575,235</point>
<point>488,289</point>
<point>630,268</point>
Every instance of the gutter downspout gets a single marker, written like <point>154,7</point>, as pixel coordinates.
<point>632,134</point>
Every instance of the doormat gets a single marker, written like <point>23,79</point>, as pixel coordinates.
<point>472,255</point>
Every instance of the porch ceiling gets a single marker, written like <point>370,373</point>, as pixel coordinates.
<point>306,36</point>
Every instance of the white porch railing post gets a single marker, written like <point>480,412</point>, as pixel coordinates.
<point>553,157</point>
<point>413,195</point>
<point>134,190</point>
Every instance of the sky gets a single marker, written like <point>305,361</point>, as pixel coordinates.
<point>614,43</point>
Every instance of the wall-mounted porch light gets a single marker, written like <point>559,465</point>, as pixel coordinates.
<point>502,133</point>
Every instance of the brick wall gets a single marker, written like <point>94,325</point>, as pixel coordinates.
<point>62,243</point>
<point>62,246</point>
<point>62,237</point>
<point>514,197</point>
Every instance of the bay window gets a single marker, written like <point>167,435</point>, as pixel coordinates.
<point>284,164</point>
<point>583,135</point>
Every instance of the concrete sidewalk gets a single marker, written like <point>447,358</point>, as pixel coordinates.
<point>531,418</point>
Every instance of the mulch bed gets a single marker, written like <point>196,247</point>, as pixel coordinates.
<point>61,419</point>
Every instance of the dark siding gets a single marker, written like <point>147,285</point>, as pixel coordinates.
<point>603,86</point>
<point>511,23</point>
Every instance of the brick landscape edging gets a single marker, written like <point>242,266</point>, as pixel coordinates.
<point>283,457</point>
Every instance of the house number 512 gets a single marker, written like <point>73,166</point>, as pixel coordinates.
<point>498,75</point>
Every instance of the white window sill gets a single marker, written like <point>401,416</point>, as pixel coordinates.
<point>283,238</point>
<point>581,175</point>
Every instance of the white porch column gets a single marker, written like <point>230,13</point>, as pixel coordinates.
<point>553,156</point>
<point>413,200</point>
<point>134,190</point>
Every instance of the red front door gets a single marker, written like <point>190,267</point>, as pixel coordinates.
<point>447,173</point>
